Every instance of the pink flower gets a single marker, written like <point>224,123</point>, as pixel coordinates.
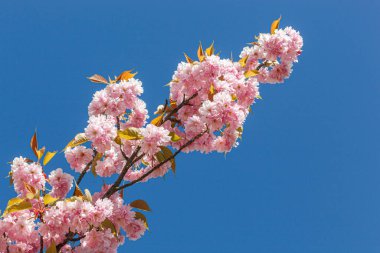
<point>27,173</point>
<point>78,157</point>
<point>135,229</point>
<point>61,183</point>
<point>101,130</point>
<point>154,137</point>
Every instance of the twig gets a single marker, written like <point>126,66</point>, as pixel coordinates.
<point>161,163</point>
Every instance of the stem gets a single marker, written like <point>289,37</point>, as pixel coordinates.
<point>69,238</point>
<point>129,164</point>
<point>161,163</point>
<point>41,244</point>
<point>182,104</point>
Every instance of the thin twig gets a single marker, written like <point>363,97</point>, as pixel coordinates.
<point>161,163</point>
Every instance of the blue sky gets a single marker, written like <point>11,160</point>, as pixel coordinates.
<point>305,178</point>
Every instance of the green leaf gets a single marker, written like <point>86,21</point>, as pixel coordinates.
<point>174,136</point>
<point>140,204</point>
<point>130,133</point>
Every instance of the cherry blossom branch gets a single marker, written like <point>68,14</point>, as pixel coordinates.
<point>69,238</point>
<point>182,104</point>
<point>118,181</point>
<point>161,163</point>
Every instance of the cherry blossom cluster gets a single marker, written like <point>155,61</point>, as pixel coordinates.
<point>209,101</point>
<point>273,55</point>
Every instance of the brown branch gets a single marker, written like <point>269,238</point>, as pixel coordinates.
<point>41,244</point>
<point>118,181</point>
<point>182,104</point>
<point>69,238</point>
<point>161,163</point>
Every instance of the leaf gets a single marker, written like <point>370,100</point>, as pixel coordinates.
<point>52,248</point>
<point>167,154</point>
<point>108,224</point>
<point>142,217</point>
<point>97,79</point>
<point>158,120</point>
<point>275,25</point>
<point>188,59</point>
<point>126,75</point>
<point>210,50</point>
<point>78,140</point>
<point>243,61</point>
<point>251,73</point>
<point>95,162</point>
<point>88,195</point>
<point>48,199</point>
<point>200,53</point>
<point>211,92</point>
<point>130,133</point>
<point>17,204</point>
<point>140,204</point>
<point>34,143</point>
<point>174,136</point>
<point>77,191</point>
<point>31,191</point>
<point>48,157</point>
<point>259,97</point>
<point>40,153</point>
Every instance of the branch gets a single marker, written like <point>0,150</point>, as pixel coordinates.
<point>161,163</point>
<point>129,164</point>
<point>182,104</point>
<point>69,238</point>
<point>41,244</point>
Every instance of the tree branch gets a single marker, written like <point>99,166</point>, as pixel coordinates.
<point>161,163</point>
<point>182,104</point>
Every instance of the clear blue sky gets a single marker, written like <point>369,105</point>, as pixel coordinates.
<point>306,177</point>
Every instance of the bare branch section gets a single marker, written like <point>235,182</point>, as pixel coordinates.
<point>69,238</point>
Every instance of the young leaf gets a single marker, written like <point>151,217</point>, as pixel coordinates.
<point>95,162</point>
<point>243,61</point>
<point>251,73</point>
<point>34,143</point>
<point>97,79</point>
<point>48,157</point>
<point>87,195</point>
<point>20,205</point>
<point>77,191</point>
<point>140,204</point>
<point>78,140</point>
<point>174,136</point>
<point>52,248</point>
<point>142,217</point>
<point>158,120</point>
<point>48,199</point>
<point>130,133</point>
<point>108,224</point>
<point>200,53</point>
<point>125,76</point>
<point>210,50</point>
<point>40,153</point>
<point>275,25</point>
<point>167,154</point>
<point>188,59</point>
